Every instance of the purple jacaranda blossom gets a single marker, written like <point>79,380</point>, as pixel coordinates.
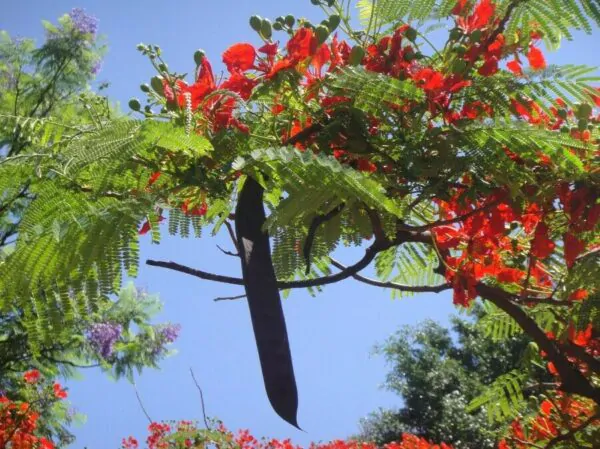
<point>83,22</point>
<point>165,334</point>
<point>102,337</point>
<point>169,332</point>
<point>96,67</point>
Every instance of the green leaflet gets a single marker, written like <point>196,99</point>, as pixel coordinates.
<point>503,398</point>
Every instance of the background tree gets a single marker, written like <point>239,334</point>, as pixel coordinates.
<point>437,372</point>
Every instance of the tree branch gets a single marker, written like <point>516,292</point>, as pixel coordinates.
<point>312,231</point>
<point>572,379</point>
<point>393,285</point>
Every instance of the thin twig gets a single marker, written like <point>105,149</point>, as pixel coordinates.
<point>312,231</point>
<point>228,253</point>
<point>201,399</point>
<point>232,234</point>
<point>393,285</point>
<point>137,394</point>
<point>229,298</point>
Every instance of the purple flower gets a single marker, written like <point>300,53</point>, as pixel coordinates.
<point>102,337</point>
<point>83,22</point>
<point>96,68</point>
<point>168,333</point>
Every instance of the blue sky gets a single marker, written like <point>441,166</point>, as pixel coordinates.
<point>331,335</point>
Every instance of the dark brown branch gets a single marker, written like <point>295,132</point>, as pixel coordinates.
<point>194,272</point>
<point>572,379</point>
<point>370,253</point>
<point>312,231</point>
<point>393,285</point>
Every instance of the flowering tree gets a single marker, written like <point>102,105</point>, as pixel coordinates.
<point>459,165</point>
<point>51,82</point>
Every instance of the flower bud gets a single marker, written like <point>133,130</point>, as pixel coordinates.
<point>334,22</point>
<point>475,36</point>
<point>141,47</point>
<point>157,84</point>
<point>278,26</point>
<point>411,34</point>
<point>455,34</point>
<point>134,104</point>
<point>163,67</point>
<point>290,20</point>
<point>256,23</point>
<point>584,110</point>
<point>266,29</point>
<point>322,33</point>
<point>145,88</point>
<point>356,55</point>
<point>199,56</point>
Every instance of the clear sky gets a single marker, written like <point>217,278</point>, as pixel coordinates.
<point>331,335</point>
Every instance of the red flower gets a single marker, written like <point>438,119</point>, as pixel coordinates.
<point>59,392</point>
<point>302,45</point>
<point>459,7</point>
<point>45,444</point>
<point>145,228</point>
<point>542,245</point>
<point>483,13</point>
<point>579,295</point>
<point>239,57</point>
<point>366,165</point>
<point>581,338</point>
<point>429,79</point>
<point>573,248</point>
<point>489,67</point>
<point>31,376</point>
<point>515,67</point>
<point>536,58</point>
<point>153,178</point>
<point>480,18</point>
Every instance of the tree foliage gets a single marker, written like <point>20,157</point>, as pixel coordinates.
<point>438,372</point>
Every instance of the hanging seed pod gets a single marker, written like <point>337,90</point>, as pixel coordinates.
<point>266,29</point>
<point>256,23</point>
<point>356,55</point>
<point>134,104</point>
<point>199,56</point>
<point>322,33</point>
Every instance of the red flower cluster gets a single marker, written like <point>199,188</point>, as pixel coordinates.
<point>19,420</point>
<point>554,414</point>
<point>163,436</point>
